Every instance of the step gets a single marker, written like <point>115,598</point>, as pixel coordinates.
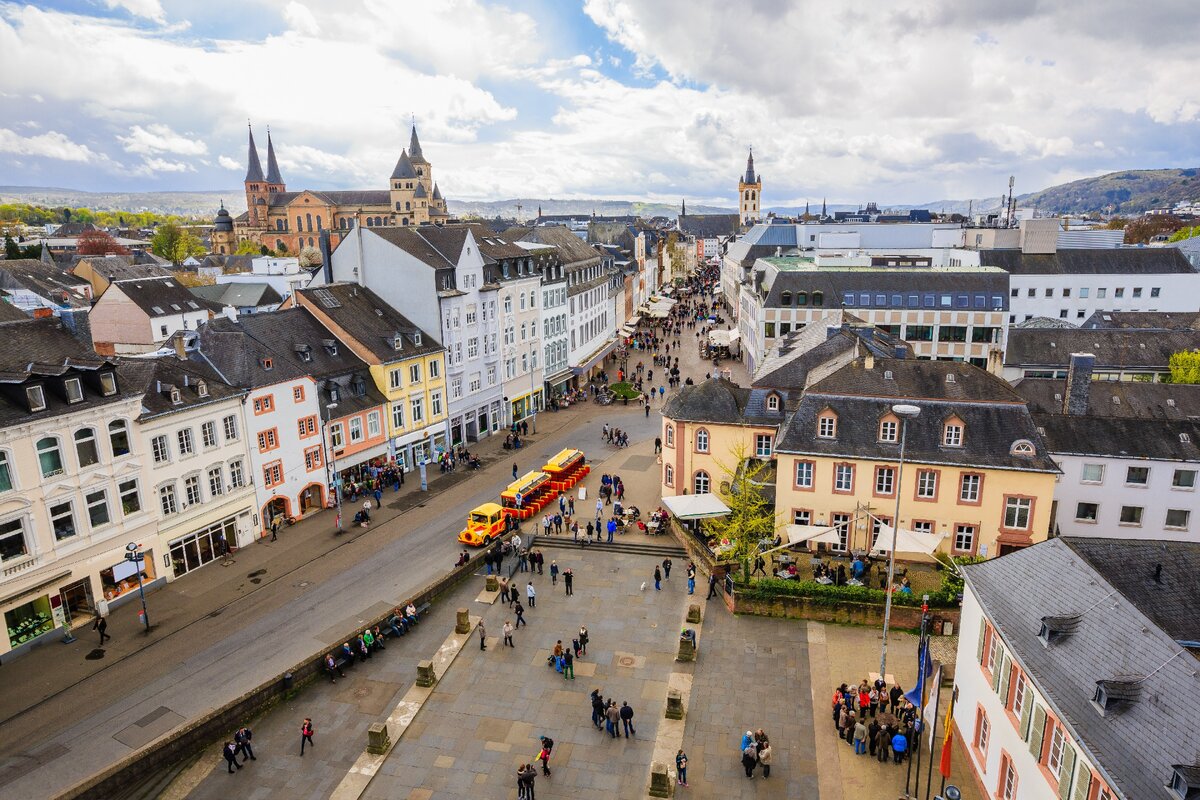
<point>665,549</point>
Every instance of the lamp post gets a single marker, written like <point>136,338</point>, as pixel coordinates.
<point>532,407</point>
<point>905,412</point>
<point>337,489</point>
<point>134,554</point>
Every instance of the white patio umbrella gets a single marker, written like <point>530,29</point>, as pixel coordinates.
<point>907,541</point>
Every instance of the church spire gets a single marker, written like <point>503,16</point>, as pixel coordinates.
<point>254,171</point>
<point>273,175</point>
<point>750,168</point>
<point>414,145</point>
<point>806,208</point>
<point>823,214</point>
<point>683,208</point>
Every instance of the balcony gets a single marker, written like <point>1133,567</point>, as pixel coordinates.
<point>18,565</point>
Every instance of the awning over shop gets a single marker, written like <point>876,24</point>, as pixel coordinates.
<point>595,358</point>
<point>695,506</point>
<point>907,541</point>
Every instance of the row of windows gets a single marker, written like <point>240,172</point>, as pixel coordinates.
<point>15,536</point>
<point>1182,479</point>
<point>914,300</point>
<point>51,461</point>
<point>1085,292</point>
<point>508,301</point>
<point>213,482</point>
<point>976,334</point>
<point>953,429</point>
<point>396,376</point>
<point>185,443</point>
<point>1175,518</point>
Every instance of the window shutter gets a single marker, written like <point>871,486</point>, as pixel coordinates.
<point>998,671</point>
<point>1036,732</point>
<point>982,640</point>
<point>1026,713</point>
<point>1005,674</point>
<point>1083,782</point>
<point>1067,772</point>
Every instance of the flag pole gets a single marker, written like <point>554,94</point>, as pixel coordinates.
<point>932,739</point>
<point>923,657</point>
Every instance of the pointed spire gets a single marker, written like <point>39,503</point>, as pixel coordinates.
<point>254,171</point>
<point>823,214</point>
<point>683,208</point>
<point>273,175</point>
<point>437,193</point>
<point>806,208</point>
<point>414,145</point>
<point>750,168</point>
<point>404,167</point>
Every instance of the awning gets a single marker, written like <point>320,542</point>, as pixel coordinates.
<point>803,534</point>
<point>595,358</point>
<point>907,541</point>
<point>724,338</point>
<point>695,506</point>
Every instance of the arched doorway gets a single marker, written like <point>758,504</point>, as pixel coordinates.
<point>276,507</point>
<point>312,498</point>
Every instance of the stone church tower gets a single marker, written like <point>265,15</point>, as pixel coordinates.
<point>749,193</point>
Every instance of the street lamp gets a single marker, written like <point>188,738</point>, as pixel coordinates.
<point>337,489</point>
<point>532,407</point>
<point>134,554</point>
<point>905,412</point>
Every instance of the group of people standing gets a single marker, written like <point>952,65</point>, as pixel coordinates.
<point>526,773</point>
<point>756,751</point>
<point>893,727</point>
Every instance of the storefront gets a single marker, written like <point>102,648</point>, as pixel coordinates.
<point>558,383</point>
<point>28,621</point>
<point>122,578</point>
<point>526,405</point>
<point>202,547</point>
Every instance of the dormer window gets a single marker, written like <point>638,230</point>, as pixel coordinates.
<point>1022,448</point>
<point>827,425</point>
<point>1112,696</point>
<point>1056,628</point>
<point>304,352</point>
<point>785,299</point>
<point>36,396</point>
<point>397,342</point>
<point>74,390</point>
<point>330,346</point>
<point>266,363</point>
<point>416,337</point>
<point>889,429</point>
<point>952,433</point>
<point>202,388</point>
<point>772,402</point>
<point>108,384</point>
<point>1185,781</point>
<point>176,396</point>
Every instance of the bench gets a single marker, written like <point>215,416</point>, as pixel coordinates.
<point>339,659</point>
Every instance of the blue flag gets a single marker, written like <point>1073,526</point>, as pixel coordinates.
<point>916,695</point>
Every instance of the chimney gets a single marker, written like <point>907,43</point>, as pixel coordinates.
<point>180,350</point>
<point>326,256</point>
<point>869,361</point>
<point>1079,383</point>
<point>230,313</point>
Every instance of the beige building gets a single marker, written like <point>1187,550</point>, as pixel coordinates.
<point>138,315</point>
<point>72,485</point>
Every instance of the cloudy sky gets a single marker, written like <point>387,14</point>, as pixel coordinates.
<point>907,101</point>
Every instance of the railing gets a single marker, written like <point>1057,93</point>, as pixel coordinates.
<point>13,567</point>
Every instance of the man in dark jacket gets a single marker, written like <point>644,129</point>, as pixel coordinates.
<point>230,752</point>
<point>242,739</point>
<point>627,719</point>
<point>597,709</point>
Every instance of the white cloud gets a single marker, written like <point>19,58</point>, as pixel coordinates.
<point>153,165</point>
<point>51,144</point>
<point>229,163</point>
<point>150,9</point>
<point>159,138</point>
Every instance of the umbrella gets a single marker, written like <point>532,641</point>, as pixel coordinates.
<point>907,541</point>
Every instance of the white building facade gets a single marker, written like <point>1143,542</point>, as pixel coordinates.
<point>521,297</point>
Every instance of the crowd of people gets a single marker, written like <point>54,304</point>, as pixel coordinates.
<point>892,729</point>
<point>756,752</point>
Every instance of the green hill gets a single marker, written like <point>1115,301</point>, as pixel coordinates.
<point>1126,192</point>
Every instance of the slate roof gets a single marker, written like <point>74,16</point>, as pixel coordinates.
<point>238,295</point>
<point>50,281</point>
<point>719,401</point>
<point>404,167</point>
<point>1143,424</point>
<point>420,192</point>
<point>347,197</point>
<point>254,166</point>
<point>1159,320</point>
<point>1090,261</point>
<point>159,297</point>
<point>273,175</point>
<point>121,267</point>
<point>371,321</point>
<point>437,247</point>
<point>10,313</point>
<point>709,226</point>
<point>228,263</point>
<point>495,246</point>
<point>155,377</point>
<point>1118,634</point>
<point>572,250</point>
<point>792,359</point>
<point>1117,347</point>
<point>833,281</point>
<point>993,415</point>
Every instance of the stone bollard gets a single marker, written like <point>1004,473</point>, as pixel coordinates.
<point>425,676</point>
<point>660,780</point>
<point>492,584</point>
<point>378,741</point>
<point>687,646</point>
<point>463,624</point>
<point>693,615</point>
<point>674,704</point>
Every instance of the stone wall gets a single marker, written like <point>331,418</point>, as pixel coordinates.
<point>842,612</point>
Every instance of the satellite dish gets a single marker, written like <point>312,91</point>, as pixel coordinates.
<point>953,793</point>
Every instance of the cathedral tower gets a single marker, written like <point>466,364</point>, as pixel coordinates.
<point>256,187</point>
<point>749,193</point>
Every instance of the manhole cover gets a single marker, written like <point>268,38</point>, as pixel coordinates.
<point>625,661</point>
<point>256,573</point>
<point>95,655</point>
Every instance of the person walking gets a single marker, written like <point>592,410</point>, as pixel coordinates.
<point>583,639</point>
<point>531,594</point>
<point>230,751</point>
<point>554,573</point>
<point>749,759</point>
<point>100,624</point>
<point>764,757</point>
<point>612,714</point>
<point>274,528</point>
<point>681,762</point>
<point>627,718</point>
<point>568,664</point>
<point>242,738</point>
<point>482,636</point>
<point>508,632</point>
<point>569,581</point>
<point>657,579</point>
<point>544,754</point>
<point>519,610</point>
<point>712,585</point>
<point>597,709</point>
<point>514,470</point>
<point>306,734</point>
<point>666,565</point>
<point>657,450</point>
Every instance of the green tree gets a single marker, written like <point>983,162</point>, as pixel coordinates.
<point>1185,233</point>
<point>12,250</point>
<point>751,518</point>
<point>1185,366</point>
<point>247,247</point>
<point>174,243</point>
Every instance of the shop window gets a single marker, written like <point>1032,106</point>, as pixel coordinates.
<point>29,621</point>
<point>123,577</point>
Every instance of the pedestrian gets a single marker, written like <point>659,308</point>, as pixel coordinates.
<point>525,777</point>
<point>611,715</point>
<point>681,760</point>
<point>627,718</point>
<point>571,506</point>
<point>508,632</point>
<point>531,594</point>
<point>657,450</point>
<point>666,565</point>
<point>331,666</point>
<point>860,738</point>
<point>101,624</point>
<point>899,746</point>
<point>514,470</point>
<point>764,757</point>
<point>712,585</point>
<point>597,709</point>
<point>242,738</point>
<point>612,528</point>
<point>873,736</point>
<point>749,759</point>
<point>568,664</point>
<point>583,639</point>
<point>554,573</point>
<point>378,497</point>
<point>759,566</point>
<point>274,528</point>
<point>482,636</point>
<point>569,580</point>
<point>540,561</point>
<point>657,579</point>
<point>306,733</point>
<point>230,751</point>
<point>691,582</point>
<point>544,754</point>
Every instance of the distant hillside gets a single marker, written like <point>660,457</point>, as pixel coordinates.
<point>1129,192</point>
<point>603,208</point>
<point>185,204</point>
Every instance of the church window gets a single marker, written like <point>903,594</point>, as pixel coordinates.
<point>407,206</point>
<point>299,223</point>
<point>397,205</point>
<point>378,221</point>
<point>308,219</point>
<point>319,222</point>
<point>404,220</point>
<point>747,194</point>
<point>370,222</point>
